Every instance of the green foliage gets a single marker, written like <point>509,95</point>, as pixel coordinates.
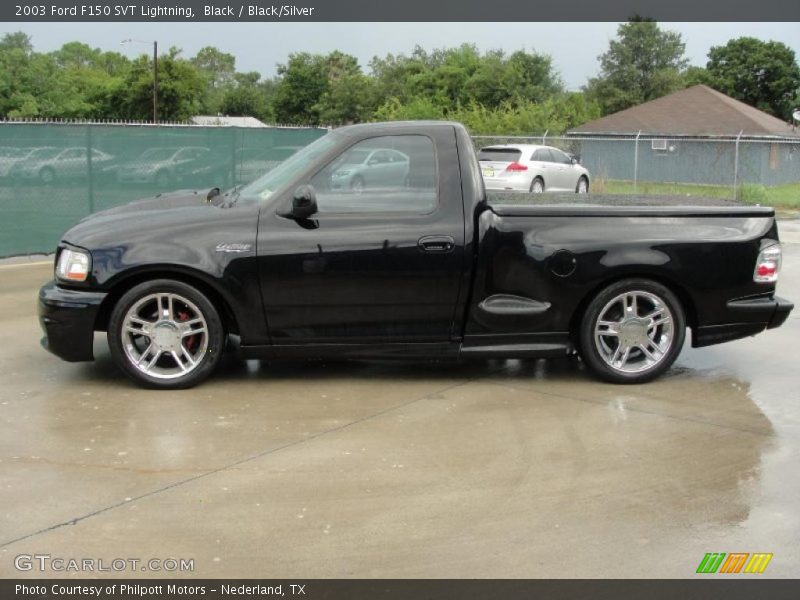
<point>523,117</point>
<point>491,92</point>
<point>642,64</point>
<point>763,74</point>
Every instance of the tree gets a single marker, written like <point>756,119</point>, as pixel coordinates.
<point>305,87</point>
<point>762,74</point>
<point>642,64</point>
<point>302,83</point>
<point>219,68</point>
<point>16,41</point>
<point>181,89</point>
<point>530,76</point>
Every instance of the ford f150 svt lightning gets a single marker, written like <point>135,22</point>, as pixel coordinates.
<point>378,241</point>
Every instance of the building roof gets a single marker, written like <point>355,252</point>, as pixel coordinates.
<point>695,111</point>
<point>222,121</point>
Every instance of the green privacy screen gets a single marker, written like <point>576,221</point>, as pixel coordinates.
<point>52,175</point>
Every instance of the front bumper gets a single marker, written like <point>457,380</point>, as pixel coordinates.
<point>67,318</point>
<point>752,316</point>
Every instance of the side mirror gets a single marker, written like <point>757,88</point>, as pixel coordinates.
<point>573,160</point>
<point>304,202</point>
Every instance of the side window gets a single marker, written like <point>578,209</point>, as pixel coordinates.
<point>393,173</point>
<point>560,157</point>
<point>542,155</point>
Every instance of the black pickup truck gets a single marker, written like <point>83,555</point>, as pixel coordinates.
<point>378,241</point>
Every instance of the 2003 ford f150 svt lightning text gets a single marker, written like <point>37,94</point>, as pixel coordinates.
<point>378,241</point>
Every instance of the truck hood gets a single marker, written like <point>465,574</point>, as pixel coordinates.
<point>164,216</point>
<point>179,199</point>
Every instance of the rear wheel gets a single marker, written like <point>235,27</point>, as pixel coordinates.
<point>537,187</point>
<point>632,331</point>
<point>47,175</point>
<point>165,334</point>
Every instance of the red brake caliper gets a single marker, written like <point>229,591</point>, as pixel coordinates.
<point>191,341</point>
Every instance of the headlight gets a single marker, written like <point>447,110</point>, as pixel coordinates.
<point>73,265</point>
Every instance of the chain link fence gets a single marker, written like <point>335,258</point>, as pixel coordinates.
<point>738,167</point>
<point>53,174</point>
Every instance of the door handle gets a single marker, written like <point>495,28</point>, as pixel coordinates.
<point>436,243</point>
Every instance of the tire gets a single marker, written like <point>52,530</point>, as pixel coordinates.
<point>537,185</point>
<point>652,330</point>
<point>583,185</point>
<point>181,341</point>
<point>47,175</point>
<point>357,184</point>
<point>162,179</point>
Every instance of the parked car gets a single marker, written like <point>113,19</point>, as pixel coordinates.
<point>529,168</point>
<point>163,166</point>
<point>252,163</point>
<point>48,164</point>
<point>9,156</point>
<point>363,168</point>
<point>430,267</point>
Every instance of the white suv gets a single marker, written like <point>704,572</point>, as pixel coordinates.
<point>529,168</point>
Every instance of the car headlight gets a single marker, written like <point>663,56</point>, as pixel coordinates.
<point>73,265</point>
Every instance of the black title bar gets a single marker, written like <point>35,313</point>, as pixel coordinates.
<point>407,10</point>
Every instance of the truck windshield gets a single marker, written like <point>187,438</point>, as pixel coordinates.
<point>263,187</point>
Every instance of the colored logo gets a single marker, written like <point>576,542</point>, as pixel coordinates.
<point>734,562</point>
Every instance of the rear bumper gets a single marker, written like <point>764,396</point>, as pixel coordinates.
<point>67,318</point>
<point>750,316</point>
<point>515,183</point>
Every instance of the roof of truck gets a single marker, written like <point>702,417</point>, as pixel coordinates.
<point>393,125</point>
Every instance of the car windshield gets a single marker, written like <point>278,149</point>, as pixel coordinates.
<point>158,153</point>
<point>44,153</point>
<point>263,187</point>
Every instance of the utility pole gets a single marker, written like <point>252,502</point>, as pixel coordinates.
<point>155,73</point>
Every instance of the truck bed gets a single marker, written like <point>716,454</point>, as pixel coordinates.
<point>512,203</point>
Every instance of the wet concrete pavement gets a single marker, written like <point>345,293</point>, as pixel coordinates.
<point>491,469</point>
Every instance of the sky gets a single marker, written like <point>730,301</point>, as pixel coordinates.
<point>574,47</point>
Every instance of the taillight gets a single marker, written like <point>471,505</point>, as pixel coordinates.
<point>515,166</point>
<point>768,264</point>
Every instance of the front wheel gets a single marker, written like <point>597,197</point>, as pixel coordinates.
<point>165,334</point>
<point>47,175</point>
<point>357,184</point>
<point>632,331</point>
<point>583,186</point>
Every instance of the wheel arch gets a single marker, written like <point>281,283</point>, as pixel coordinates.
<point>681,293</point>
<point>187,276</point>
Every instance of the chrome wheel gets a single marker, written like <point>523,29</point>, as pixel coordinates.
<point>537,187</point>
<point>583,186</point>
<point>357,185</point>
<point>164,335</point>
<point>634,332</point>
